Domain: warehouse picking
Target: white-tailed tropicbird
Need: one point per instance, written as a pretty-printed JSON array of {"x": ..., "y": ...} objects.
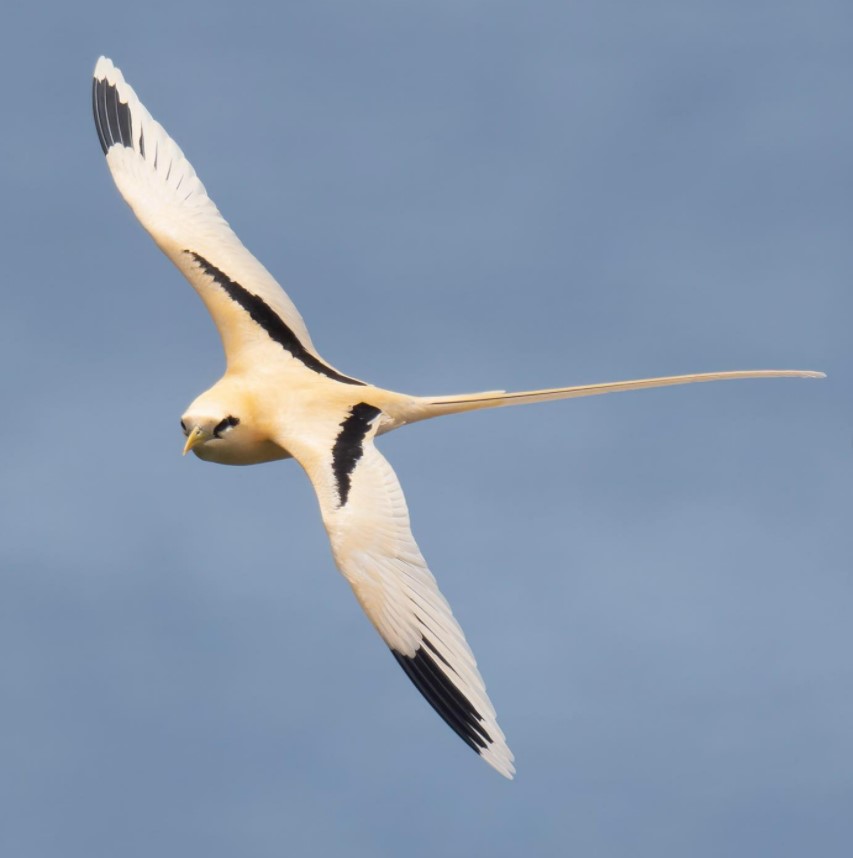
[{"x": 279, "y": 398}]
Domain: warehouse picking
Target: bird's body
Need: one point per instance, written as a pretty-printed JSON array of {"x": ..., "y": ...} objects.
[{"x": 280, "y": 399}]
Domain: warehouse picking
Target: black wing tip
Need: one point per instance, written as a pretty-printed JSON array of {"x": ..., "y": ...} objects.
[
  {"x": 112, "y": 115},
  {"x": 441, "y": 693}
]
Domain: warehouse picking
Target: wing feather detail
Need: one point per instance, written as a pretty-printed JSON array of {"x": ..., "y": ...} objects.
[
  {"x": 373, "y": 547},
  {"x": 162, "y": 188}
]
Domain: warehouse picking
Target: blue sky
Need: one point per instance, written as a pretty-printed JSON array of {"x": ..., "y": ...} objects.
[{"x": 458, "y": 196}]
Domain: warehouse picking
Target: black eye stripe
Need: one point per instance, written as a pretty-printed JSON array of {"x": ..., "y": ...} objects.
[{"x": 224, "y": 424}]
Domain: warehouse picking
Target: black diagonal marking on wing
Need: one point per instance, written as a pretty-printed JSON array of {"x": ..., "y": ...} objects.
[
  {"x": 269, "y": 320},
  {"x": 349, "y": 447}
]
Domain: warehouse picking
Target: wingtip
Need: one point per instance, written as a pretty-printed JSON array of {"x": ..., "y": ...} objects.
[
  {"x": 107, "y": 70},
  {"x": 503, "y": 765},
  {"x": 103, "y": 67}
]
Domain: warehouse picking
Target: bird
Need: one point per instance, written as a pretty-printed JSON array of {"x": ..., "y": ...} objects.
[{"x": 279, "y": 399}]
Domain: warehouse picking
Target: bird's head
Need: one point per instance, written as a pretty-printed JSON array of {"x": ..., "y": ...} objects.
[
  {"x": 219, "y": 427},
  {"x": 208, "y": 434},
  {"x": 212, "y": 424}
]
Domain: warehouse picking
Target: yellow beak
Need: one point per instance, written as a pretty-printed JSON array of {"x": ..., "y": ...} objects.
[{"x": 196, "y": 437}]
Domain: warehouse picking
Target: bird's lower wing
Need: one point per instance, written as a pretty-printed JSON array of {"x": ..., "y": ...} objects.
[
  {"x": 365, "y": 514},
  {"x": 249, "y": 307}
]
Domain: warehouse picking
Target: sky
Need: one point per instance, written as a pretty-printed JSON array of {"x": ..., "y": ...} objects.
[{"x": 458, "y": 196}]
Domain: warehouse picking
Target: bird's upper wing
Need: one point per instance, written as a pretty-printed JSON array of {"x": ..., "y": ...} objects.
[
  {"x": 248, "y": 306},
  {"x": 365, "y": 514}
]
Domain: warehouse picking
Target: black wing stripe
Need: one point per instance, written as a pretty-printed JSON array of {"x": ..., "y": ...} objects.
[
  {"x": 451, "y": 704},
  {"x": 269, "y": 320},
  {"x": 124, "y": 122},
  {"x": 423, "y": 685},
  {"x": 349, "y": 446},
  {"x": 435, "y": 652},
  {"x": 455, "y": 698},
  {"x": 112, "y": 116},
  {"x": 96, "y": 95},
  {"x": 111, "y": 100}
]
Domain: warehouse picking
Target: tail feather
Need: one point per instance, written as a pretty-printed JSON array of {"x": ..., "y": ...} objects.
[{"x": 436, "y": 406}]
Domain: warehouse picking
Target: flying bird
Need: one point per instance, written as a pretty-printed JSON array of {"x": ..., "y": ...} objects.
[{"x": 279, "y": 398}]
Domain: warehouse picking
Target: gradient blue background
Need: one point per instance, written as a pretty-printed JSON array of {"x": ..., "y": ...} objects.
[{"x": 458, "y": 196}]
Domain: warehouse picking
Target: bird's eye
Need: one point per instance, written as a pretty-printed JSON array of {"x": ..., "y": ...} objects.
[
  {"x": 184, "y": 427},
  {"x": 225, "y": 423}
]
